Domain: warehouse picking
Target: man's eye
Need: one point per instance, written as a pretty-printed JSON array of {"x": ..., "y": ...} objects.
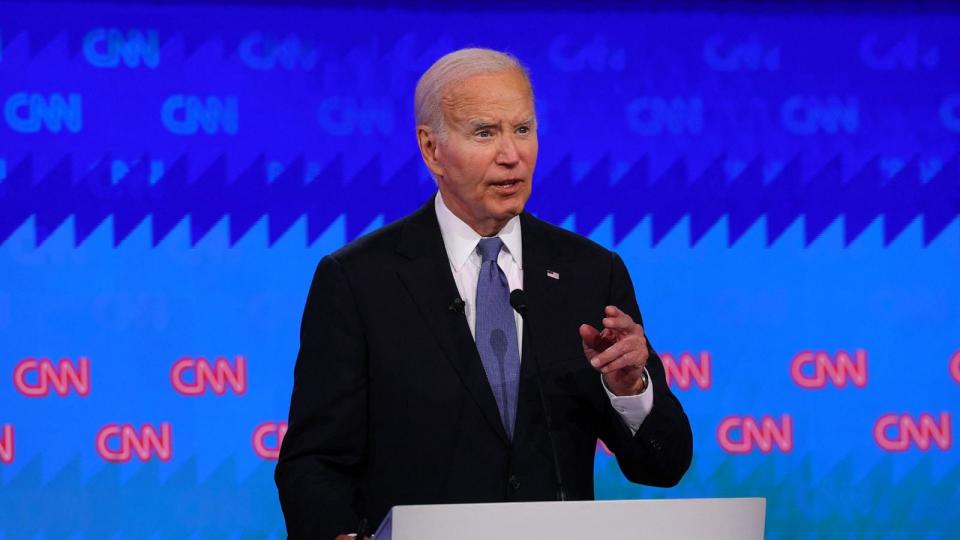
[
  {"x": 484, "y": 133},
  {"x": 523, "y": 130}
]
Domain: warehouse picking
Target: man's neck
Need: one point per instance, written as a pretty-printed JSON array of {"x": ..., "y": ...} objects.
[{"x": 486, "y": 229}]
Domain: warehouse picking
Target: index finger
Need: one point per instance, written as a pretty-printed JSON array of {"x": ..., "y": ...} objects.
[
  {"x": 617, "y": 320},
  {"x": 613, "y": 311}
]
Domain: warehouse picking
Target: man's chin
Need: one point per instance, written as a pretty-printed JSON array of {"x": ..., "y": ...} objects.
[
  {"x": 511, "y": 209},
  {"x": 514, "y": 204}
]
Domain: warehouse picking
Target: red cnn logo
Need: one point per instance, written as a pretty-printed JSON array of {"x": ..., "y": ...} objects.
[
  {"x": 810, "y": 369},
  {"x": 764, "y": 435},
  {"x": 275, "y": 431},
  {"x": 6, "y": 445},
  {"x": 216, "y": 377},
  {"x": 955, "y": 366},
  {"x": 118, "y": 442},
  {"x": 895, "y": 432},
  {"x": 33, "y": 377},
  {"x": 687, "y": 370}
]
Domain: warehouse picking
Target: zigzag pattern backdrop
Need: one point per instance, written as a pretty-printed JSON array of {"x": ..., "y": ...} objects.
[
  {"x": 782, "y": 197},
  {"x": 782, "y": 182}
]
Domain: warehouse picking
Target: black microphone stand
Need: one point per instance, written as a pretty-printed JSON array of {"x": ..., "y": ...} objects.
[{"x": 518, "y": 299}]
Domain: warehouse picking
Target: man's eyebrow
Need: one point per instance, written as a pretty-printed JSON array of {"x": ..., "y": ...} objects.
[
  {"x": 526, "y": 121},
  {"x": 477, "y": 123}
]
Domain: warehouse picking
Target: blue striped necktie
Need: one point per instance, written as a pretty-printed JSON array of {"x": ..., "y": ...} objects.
[{"x": 496, "y": 332}]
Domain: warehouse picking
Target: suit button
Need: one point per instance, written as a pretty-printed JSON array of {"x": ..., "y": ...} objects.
[{"x": 514, "y": 482}]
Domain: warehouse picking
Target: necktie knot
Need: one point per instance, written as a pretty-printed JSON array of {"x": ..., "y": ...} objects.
[{"x": 489, "y": 248}]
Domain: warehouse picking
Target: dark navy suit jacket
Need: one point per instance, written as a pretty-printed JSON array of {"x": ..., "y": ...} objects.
[{"x": 391, "y": 404}]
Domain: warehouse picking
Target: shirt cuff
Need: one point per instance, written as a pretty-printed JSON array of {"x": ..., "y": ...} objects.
[{"x": 633, "y": 409}]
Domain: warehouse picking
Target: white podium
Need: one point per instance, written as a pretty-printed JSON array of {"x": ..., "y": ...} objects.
[{"x": 660, "y": 519}]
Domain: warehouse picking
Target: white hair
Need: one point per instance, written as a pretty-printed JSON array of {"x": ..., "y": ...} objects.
[{"x": 453, "y": 68}]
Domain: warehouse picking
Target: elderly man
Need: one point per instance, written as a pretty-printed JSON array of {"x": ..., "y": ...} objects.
[{"x": 419, "y": 382}]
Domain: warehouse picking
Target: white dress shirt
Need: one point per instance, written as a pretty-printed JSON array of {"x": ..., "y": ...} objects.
[{"x": 461, "y": 242}]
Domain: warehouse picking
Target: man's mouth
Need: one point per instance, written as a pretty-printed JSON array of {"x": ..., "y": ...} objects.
[{"x": 507, "y": 186}]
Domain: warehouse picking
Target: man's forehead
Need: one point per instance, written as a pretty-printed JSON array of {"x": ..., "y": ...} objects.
[
  {"x": 486, "y": 118},
  {"x": 505, "y": 89},
  {"x": 475, "y": 110}
]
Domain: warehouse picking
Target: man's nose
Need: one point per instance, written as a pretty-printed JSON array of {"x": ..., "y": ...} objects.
[{"x": 507, "y": 154}]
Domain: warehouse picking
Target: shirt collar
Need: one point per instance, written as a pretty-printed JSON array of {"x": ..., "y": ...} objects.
[{"x": 461, "y": 241}]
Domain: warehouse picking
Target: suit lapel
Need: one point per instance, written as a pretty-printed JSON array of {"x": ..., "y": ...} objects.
[
  {"x": 544, "y": 299},
  {"x": 429, "y": 280},
  {"x": 540, "y": 255}
]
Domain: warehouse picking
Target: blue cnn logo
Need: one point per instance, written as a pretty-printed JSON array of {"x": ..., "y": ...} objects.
[
  {"x": 908, "y": 53},
  {"x": 188, "y": 115},
  {"x": 106, "y": 47},
  {"x": 265, "y": 52},
  {"x": 747, "y": 55},
  {"x": 30, "y": 112},
  {"x": 596, "y": 55},
  {"x": 346, "y": 116},
  {"x": 809, "y": 115},
  {"x": 655, "y": 115}
]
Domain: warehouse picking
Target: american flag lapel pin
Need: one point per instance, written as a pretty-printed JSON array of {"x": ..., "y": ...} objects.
[{"x": 552, "y": 274}]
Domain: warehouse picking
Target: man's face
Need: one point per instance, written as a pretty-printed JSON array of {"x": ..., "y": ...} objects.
[{"x": 484, "y": 166}]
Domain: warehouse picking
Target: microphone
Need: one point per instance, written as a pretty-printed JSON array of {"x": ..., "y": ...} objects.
[
  {"x": 518, "y": 299},
  {"x": 457, "y": 305}
]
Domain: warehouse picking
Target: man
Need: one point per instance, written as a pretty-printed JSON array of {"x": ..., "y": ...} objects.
[{"x": 417, "y": 382}]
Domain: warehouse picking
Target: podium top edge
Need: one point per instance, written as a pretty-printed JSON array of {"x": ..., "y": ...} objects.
[{"x": 694, "y": 500}]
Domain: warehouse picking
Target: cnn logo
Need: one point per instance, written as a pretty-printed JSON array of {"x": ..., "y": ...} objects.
[
  {"x": 194, "y": 376},
  {"x": 896, "y": 432},
  {"x": 34, "y": 377},
  {"x": 267, "y": 438},
  {"x": 118, "y": 443},
  {"x": 811, "y": 369},
  {"x": 6, "y": 444},
  {"x": 742, "y": 434},
  {"x": 688, "y": 370}
]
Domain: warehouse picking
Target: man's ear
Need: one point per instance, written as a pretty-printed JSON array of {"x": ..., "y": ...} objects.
[{"x": 428, "y": 141}]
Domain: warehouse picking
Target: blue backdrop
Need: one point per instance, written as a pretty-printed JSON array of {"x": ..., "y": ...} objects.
[{"x": 783, "y": 184}]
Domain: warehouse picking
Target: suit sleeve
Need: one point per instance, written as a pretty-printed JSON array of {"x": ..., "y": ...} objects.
[
  {"x": 323, "y": 451},
  {"x": 661, "y": 450}
]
